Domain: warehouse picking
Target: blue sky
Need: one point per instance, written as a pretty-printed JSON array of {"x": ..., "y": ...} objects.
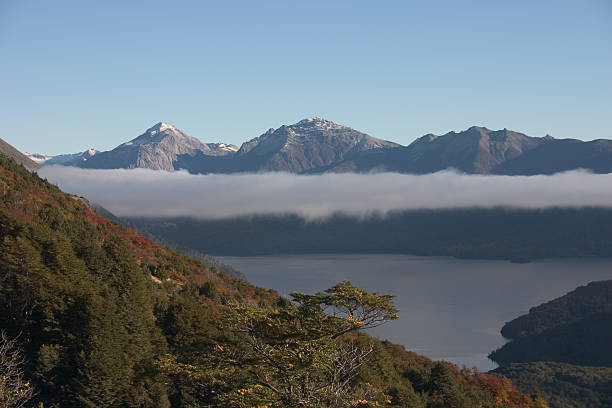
[{"x": 80, "y": 74}]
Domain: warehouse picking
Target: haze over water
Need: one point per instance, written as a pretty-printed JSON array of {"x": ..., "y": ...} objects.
[{"x": 449, "y": 309}]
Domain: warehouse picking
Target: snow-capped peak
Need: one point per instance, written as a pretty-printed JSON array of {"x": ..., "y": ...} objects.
[
  {"x": 228, "y": 148},
  {"x": 319, "y": 123},
  {"x": 315, "y": 119},
  {"x": 163, "y": 126},
  {"x": 153, "y": 133},
  {"x": 160, "y": 127}
]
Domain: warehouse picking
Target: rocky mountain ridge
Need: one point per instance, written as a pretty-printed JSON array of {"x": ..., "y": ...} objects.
[
  {"x": 317, "y": 145},
  {"x": 157, "y": 148},
  {"x": 479, "y": 150},
  {"x": 64, "y": 159},
  {"x": 307, "y": 145}
]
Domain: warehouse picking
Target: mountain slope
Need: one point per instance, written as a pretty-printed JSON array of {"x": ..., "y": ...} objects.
[
  {"x": 561, "y": 155},
  {"x": 308, "y": 144},
  {"x": 476, "y": 150},
  {"x": 305, "y": 146},
  {"x": 88, "y": 300},
  {"x": 75, "y": 159},
  {"x": 93, "y": 305},
  {"x": 16, "y": 155},
  {"x": 479, "y": 150},
  {"x": 158, "y": 149}
]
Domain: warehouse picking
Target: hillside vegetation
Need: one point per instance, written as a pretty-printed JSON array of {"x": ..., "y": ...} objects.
[
  {"x": 562, "y": 348},
  {"x": 583, "y": 342},
  {"x": 596, "y": 297},
  {"x": 483, "y": 233},
  {"x": 103, "y": 317},
  {"x": 565, "y": 385}
]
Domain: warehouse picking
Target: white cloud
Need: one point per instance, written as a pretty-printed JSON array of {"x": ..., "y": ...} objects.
[{"x": 141, "y": 192}]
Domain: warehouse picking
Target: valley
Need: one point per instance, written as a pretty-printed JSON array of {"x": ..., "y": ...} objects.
[
  {"x": 449, "y": 309},
  {"x": 208, "y": 204},
  {"x": 94, "y": 312}
]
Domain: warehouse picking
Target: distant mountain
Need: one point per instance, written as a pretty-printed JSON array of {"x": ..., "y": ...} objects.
[
  {"x": 317, "y": 145},
  {"x": 561, "y": 155},
  {"x": 37, "y": 157},
  {"x": 76, "y": 159},
  {"x": 304, "y": 146},
  {"x": 479, "y": 150},
  {"x": 157, "y": 149},
  {"x": 19, "y": 157},
  {"x": 309, "y": 144}
]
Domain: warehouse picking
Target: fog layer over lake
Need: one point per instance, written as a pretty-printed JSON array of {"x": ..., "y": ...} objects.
[
  {"x": 449, "y": 309},
  {"x": 151, "y": 193}
]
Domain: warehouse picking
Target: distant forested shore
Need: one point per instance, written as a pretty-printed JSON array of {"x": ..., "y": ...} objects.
[
  {"x": 562, "y": 348},
  {"x": 481, "y": 233}
]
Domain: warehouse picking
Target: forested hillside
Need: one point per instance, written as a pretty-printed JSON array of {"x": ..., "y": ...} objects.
[
  {"x": 483, "y": 233},
  {"x": 103, "y": 317},
  {"x": 564, "y": 385},
  {"x": 562, "y": 347},
  {"x": 596, "y": 297},
  {"x": 575, "y": 328},
  {"x": 584, "y": 342}
]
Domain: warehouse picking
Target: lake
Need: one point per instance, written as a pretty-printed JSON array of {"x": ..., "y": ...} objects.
[{"x": 450, "y": 309}]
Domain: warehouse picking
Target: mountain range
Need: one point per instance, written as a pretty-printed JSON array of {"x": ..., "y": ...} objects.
[
  {"x": 317, "y": 145},
  {"x": 479, "y": 150}
]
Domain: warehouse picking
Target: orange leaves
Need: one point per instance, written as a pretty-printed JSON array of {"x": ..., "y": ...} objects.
[{"x": 502, "y": 389}]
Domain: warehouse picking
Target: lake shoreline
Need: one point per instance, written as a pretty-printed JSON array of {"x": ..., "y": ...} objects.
[{"x": 450, "y": 308}]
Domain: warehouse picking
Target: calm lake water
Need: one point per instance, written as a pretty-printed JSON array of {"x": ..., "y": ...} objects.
[{"x": 449, "y": 309}]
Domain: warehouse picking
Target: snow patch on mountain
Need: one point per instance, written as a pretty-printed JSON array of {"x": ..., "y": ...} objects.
[{"x": 37, "y": 157}]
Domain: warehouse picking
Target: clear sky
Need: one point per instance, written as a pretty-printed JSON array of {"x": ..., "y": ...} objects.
[{"x": 80, "y": 74}]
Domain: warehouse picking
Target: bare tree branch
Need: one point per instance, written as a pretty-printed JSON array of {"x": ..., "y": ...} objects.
[{"x": 15, "y": 391}]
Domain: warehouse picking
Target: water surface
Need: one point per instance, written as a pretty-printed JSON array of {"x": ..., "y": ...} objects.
[{"x": 449, "y": 309}]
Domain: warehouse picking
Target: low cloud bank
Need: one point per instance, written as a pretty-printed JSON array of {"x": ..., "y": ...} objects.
[{"x": 148, "y": 193}]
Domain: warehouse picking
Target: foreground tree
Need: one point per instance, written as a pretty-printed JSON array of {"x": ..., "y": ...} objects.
[
  {"x": 304, "y": 352},
  {"x": 15, "y": 391}
]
